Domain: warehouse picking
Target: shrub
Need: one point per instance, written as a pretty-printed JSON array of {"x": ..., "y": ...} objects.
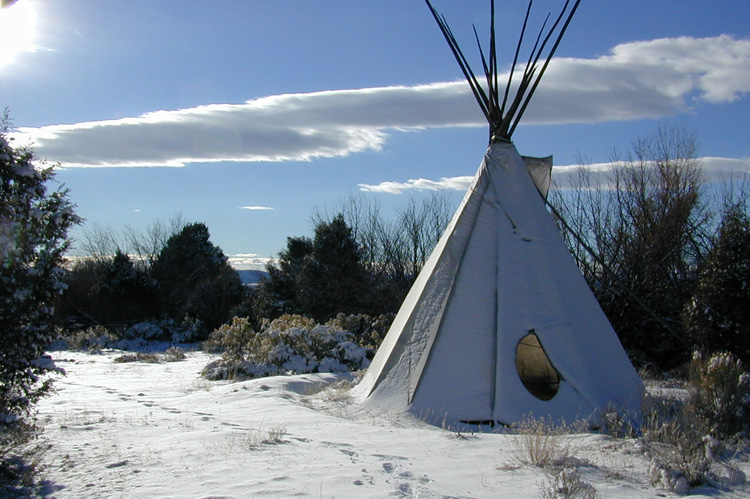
[
  {"x": 683, "y": 436},
  {"x": 150, "y": 358},
  {"x": 174, "y": 354},
  {"x": 567, "y": 484},
  {"x": 231, "y": 339},
  {"x": 368, "y": 331},
  {"x": 619, "y": 424},
  {"x": 291, "y": 344},
  {"x": 681, "y": 455},
  {"x": 675, "y": 439},
  {"x": 92, "y": 339},
  {"x": 719, "y": 393},
  {"x": 540, "y": 441}
]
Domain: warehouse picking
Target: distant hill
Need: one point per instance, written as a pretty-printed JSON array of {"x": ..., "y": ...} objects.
[{"x": 251, "y": 277}]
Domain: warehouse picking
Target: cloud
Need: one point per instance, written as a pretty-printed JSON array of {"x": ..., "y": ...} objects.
[
  {"x": 647, "y": 79},
  {"x": 256, "y": 208},
  {"x": 421, "y": 184},
  {"x": 714, "y": 170}
]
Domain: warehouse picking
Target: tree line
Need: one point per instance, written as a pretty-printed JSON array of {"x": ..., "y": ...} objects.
[{"x": 188, "y": 280}]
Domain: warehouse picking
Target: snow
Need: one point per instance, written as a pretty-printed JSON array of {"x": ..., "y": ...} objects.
[{"x": 159, "y": 430}]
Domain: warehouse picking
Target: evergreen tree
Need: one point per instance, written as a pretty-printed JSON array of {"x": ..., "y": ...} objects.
[
  {"x": 278, "y": 295},
  {"x": 195, "y": 280},
  {"x": 320, "y": 277},
  {"x": 123, "y": 292},
  {"x": 718, "y": 316},
  {"x": 34, "y": 224},
  {"x": 334, "y": 280}
]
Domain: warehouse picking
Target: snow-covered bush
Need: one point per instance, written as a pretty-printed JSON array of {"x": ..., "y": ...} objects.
[
  {"x": 368, "y": 330},
  {"x": 291, "y": 344},
  {"x": 174, "y": 354},
  {"x": 685, "y": 438},
  {"x": 232, "y": 340},
  {"x": 92, "y": 339},
  {"x": 34, "y": 223},
  {"x": 164, "y": 330},
  {"x": 149, "y": 358},
  {"x": 677, "y": 441},
  {"x": 719, "y": 393},
  {"x": 680, "y": 453}
]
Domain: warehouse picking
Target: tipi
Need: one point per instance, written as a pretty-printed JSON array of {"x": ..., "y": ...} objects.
[{"x": 500, "y": 323}]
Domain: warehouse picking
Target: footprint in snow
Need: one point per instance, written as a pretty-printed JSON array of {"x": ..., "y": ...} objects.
[{"x": 386, "y": 457}]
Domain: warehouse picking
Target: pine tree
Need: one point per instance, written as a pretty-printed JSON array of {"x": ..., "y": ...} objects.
[
  {"x": 195, "y": 279},
  {"x": 718, "y": 316},
  {"x": 124, "y": 292},
  {"x": 34, "y": 224},
  {"x": 334, "y": 280},
  {"x": 319, "y": 278}
]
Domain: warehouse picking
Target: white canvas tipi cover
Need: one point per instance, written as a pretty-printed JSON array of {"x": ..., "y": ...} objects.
[{"x": 500, "y": 323}]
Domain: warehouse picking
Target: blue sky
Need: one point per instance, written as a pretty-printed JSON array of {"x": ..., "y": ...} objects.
[{"x": 248, "y": 115}]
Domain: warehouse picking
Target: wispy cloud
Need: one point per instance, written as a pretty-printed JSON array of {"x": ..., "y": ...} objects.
[
  {"x": 420, "y": 184},
  {"x": 256, "y": 208},
  {"x": 647, "y": 79},
  {"x": 714, "y": 169}
]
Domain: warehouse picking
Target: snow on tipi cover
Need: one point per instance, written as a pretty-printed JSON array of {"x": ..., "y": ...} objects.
[{"x": 500, "y": 323}]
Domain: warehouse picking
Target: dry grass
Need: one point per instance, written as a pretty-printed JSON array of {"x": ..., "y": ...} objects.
[
  {"x": 541, "y": 442},
  {"x": 253, "y": 439}
]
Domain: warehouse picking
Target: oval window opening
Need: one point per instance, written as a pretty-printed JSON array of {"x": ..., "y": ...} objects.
[{"x": 537, "y": 374}]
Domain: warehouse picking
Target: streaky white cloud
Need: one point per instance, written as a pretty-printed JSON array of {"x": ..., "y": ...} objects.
[
  {"x": 420, "y": 184},
  {"x": 256, "y": 208},
  {"x": 646, "y": 79},
  {"x": 714, "y": 169}
]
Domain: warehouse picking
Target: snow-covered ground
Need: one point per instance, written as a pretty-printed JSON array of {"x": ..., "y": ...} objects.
[{"x": 140, "y": 430}]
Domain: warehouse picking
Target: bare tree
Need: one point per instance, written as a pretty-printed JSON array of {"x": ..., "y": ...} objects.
[
  {"x": 639, "y": 234},
  {"x": 147, "y": 244},
  {"x": 102, "y": 242},
  {"x": 394, "y": 250}
]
